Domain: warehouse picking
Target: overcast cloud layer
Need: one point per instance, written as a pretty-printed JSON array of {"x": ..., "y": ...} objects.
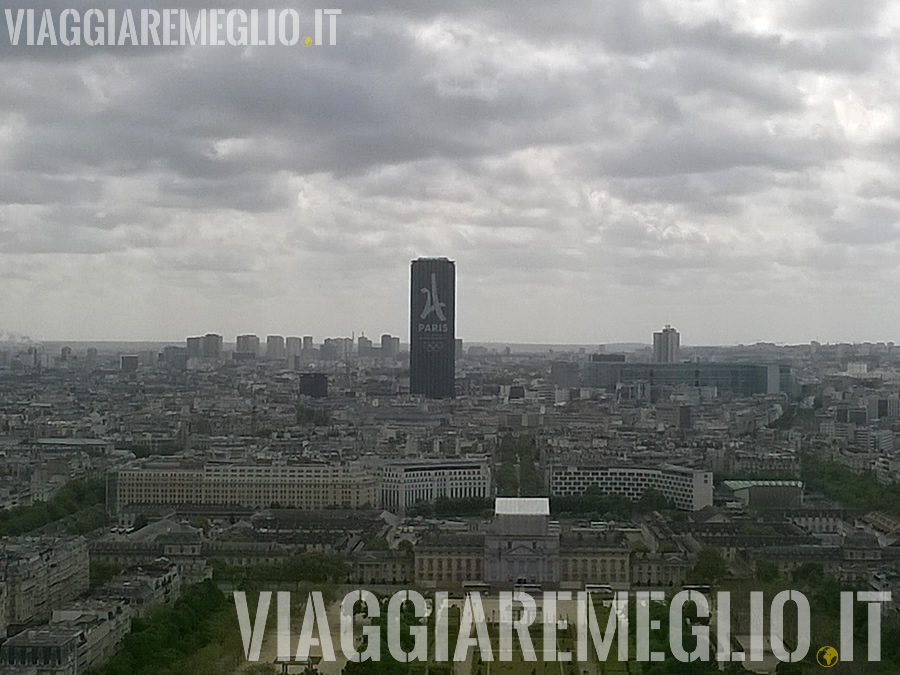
[{"x": 596, "y": 169}]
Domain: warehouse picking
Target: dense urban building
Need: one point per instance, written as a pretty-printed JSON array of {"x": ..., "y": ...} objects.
[
  {"x": 86, "y": 633},
  {"x": 37, "y": 575}
]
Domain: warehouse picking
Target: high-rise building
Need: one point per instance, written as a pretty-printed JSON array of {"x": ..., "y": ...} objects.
[
  {"x": 274, "y": 347},
  {"x": 432, "y": 327},
  {"x": 194, "y": 347},
  {"x": 346, "y": 348},
  {"x": 386, "y": 347},
  {"x": 247, "y": 344},
  {"x": 329, "y": 350},
  {"x": 211, "y": 346},
  {"x": 336, "y": 349},
  {"x": 307, "y": 343},
  {"x": 363, "y": 346},
  {"x": 666, "y": 346},
  {"x": 390, "y": 347},
  {"x": 292, "y": 346}
]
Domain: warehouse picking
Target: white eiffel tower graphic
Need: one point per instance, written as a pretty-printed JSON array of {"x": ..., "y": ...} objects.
[{"x": 432, "y": 303}]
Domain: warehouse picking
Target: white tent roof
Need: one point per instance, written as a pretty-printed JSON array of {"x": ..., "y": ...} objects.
[{"x": 522, "y": 506}]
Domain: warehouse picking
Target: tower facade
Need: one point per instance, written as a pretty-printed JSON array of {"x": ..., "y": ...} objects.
[{"x": 432, "y": 324}]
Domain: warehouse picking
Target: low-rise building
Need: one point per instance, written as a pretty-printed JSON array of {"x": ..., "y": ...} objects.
[
  {"x": 44, "y": 651},
  {"x": 103, "y": 626},
  {"x": 313, "y": 485}
]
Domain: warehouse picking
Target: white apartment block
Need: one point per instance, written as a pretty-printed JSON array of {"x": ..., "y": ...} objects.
[
  {"x": 688, "y": 489},
  {"x": 404, "y": 483}
]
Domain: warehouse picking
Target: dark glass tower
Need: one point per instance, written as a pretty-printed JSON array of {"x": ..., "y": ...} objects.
[{"x": 432, "y": 327}]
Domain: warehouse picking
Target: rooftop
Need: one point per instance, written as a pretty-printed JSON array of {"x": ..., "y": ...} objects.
[
  {"x": 744, "y": 484},
  {"x": 522, "y": 506}
]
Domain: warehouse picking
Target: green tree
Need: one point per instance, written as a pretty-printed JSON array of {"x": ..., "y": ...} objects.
[
  {"x": 709, "y": 568},
  {"x": 157, "y": 643},
  {"x": 653, "y": 500},
  {"x": 766, "y": 571},
  {"x": 76, "y": 501}
]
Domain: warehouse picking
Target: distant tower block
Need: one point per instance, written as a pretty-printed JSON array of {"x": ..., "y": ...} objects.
[
  {"x": 666, "y": 345},
  {"x": 274, "y": 347},
  {"x": 247, "y": 344}
]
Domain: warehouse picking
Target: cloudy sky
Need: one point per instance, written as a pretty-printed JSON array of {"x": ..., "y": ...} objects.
[{"x": 596, "y": 168}]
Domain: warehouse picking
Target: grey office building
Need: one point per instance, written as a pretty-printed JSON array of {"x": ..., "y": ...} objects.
[{"x": 432, "y": 357}]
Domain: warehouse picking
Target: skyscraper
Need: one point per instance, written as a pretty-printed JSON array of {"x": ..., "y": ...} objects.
[
  {"x": 364, "y": 346},
  {"x": 387, "y": 347},
  {"x": 274, "y": 347},
  {"x": 194, "y": 347},
  {"x": 432, "y": 327},
  {"x": 293, "y": 346},
  {"x": 211, "y": 346},
  {"x": 247, "y": 344},
  {"x": 666, "y": 346}
]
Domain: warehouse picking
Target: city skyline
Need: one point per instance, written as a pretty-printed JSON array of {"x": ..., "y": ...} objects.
[
  {"x": 597, "y": 170},
  {"x": 230, "y": 343}
]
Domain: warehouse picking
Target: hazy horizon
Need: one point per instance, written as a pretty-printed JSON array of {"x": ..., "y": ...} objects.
[{"x": 627, "y": 346}]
